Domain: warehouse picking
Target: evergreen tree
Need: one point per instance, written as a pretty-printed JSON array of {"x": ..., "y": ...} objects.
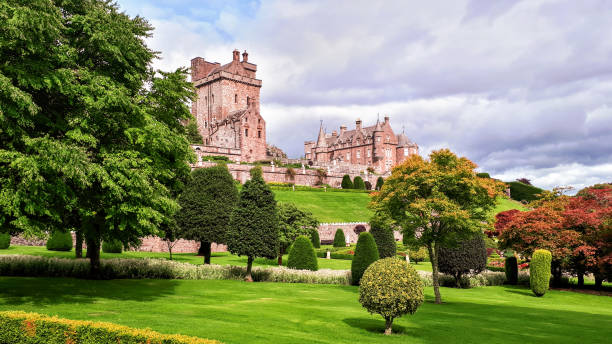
[
  {"x": 381, "y": 230},
  {"x": 346, "y": 182},
  {"x": 358, "y": 183},
  {"x": 302, "y": 255},
  {"x": 379, "y": 183},
  {"x": 254, "y": 224},
  {"x": 468, "y": 256},
  {"x": 366, "y": 253},
  {"x": 293, "y": 223},
  {"x": 315, "y": 239},
  {"x": 339, "y": 238},
  {"x": 206, "y": 206}
]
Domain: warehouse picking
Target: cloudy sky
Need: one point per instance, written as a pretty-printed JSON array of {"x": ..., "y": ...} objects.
[{"x": 522, "y": 88}]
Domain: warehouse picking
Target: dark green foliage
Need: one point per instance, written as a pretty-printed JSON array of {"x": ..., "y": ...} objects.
[
  {"x": 391, "y": 288},
  {"x": 380, "y": 228},
  {"x": 314, "y": 238},
  {"x": 206, "y": 206},
  {"x": 60, "y": 241},
  {"x": 192, "y": 133},
  {"x": 346, "y": 182},
  {"x": 469, "y": 256},
  {"x": 339, "y": 238},
  {"x": 379, "y": 183},
  {"x": 5, "y": 241},
  {"x": 112, "y": 246},
  {"x": 358, "y": 183},
  {"x": 511, "y": 269},
  {"x": 539, "y": 272},
  {"x": 293, "y": 222},
  {"x": 366, "y": 253},
  {"x": 483, "y": 175},
  {"x": 253, "y": 230},
  {"x": 523, "y": 192},
  {"x": 418, "y": 255},
  {"x": 302, "y": 255},
  {"x": 368, "y": 185}
]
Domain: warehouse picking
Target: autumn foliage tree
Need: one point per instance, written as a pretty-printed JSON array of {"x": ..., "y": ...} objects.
[{"x": 437, "y": 201}]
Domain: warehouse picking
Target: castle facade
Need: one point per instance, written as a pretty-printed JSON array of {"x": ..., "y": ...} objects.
[
  {"x": 376, "y": 146},
  {"x": 227, "y": 109}
]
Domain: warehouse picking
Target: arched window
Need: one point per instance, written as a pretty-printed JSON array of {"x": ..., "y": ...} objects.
[{"x": 235, "y": 98}]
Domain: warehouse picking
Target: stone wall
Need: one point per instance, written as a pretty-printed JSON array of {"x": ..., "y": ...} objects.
[{"x": 351, "y": 230}]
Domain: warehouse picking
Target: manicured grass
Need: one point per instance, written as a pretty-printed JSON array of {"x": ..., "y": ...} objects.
[
  {"x": 239, "y": 312},
  {"x": 504, "y": 204},
  {"x": 330, "y": 206}
]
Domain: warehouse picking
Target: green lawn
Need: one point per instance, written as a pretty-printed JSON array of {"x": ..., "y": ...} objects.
[
  {"x": 330, "y": 206},
  {"x": 239, "y": 312},
  {"x": 504, "y": 204}
]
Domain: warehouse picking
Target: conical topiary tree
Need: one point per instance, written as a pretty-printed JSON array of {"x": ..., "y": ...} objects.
[
  {"x": 358, "y": 183},
  {"x": 346, "y": 182},
  {"x": 379, "y": 183},
  {"x": 539, "y": 271},
  {"x": 302, "y": 255},
  {"x": 511, "y": 268},
  {"x": 314, "y": 238},
  {"x": 366, "y": 253},
  {"x": 339, "y": 239},
  {"x": 380, "y": 228},
  {"x": 253, "y": 230}
]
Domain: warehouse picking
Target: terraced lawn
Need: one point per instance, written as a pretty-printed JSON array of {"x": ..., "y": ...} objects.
[
  {"x": 330, "y": 206},
  {"x": 239, "y": 312}
]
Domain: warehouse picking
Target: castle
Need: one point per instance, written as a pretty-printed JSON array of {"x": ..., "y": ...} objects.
[
  {"x": 375, "y": 147},
  {"x": 227, "y": 109}
]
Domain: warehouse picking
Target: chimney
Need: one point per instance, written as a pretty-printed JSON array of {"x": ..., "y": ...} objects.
[
  {"x": 245, "y": 56},
  {"x": 386, "y": 119},
  {"x": 342, "y": 129},
  {"x": 197, "y": 68},
  {"x": 334, "y": 133},
  {"x": 358, "y": 124},
  {"x": 236, "y": 56}
]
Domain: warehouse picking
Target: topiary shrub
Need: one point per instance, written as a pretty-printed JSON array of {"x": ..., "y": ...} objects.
[
  {"x": 511, "y": 268},
  {"x": 339, "y": 239},
  {"x": 380, "y": 228},
  {"x": 314, "y": 238},
  {"x": 539, "y": 271},
  {"x": 346, "y": 182},
  {"x": 112, "y": 246},
  {"x": 5, "y": 241},
  {"x": 368, "y": 185},
  {"x": 379, "y": 183},
  {"x": 358, "y": 183},
  {"x": 366, "y": 253},
  {"x": 418, "y": 255},
  {"x": 391, "y": 288},
  {"x": 302, "y": 255},
  {"x": 469, "y": 256},
  {"x": 60, "y": 241}
]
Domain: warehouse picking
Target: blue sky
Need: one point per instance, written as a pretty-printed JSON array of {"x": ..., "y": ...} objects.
[{"x": 523, "y": 88}]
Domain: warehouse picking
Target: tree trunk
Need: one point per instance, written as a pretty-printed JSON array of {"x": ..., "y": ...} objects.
[
  {"x": 281, "y": 252},
  {"x": 388, "y": 325},
  {"x": 248, "y": 277},
  {"x": 458, "y": 280},
  {"x": 78, "y": 247},
  {"x": 205, "y": 248},
  {"x": 433, "y": 256},
  {"x": 93, "y": 252},
  {"x": 169, "y": 243},
  {"x": 557, "y": 274},
  {"x": 598, "y": 282},
  {"x": 580, "y": 280}
]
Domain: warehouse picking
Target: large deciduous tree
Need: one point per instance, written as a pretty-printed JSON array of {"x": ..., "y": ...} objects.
[
  {"x": 293, "y": 222},
  {"x": 254, "y": 224},
  {"x": 87, "y": 128},
  {"x": 206, "y": 206},
  {"x": 437, "y": 201}
]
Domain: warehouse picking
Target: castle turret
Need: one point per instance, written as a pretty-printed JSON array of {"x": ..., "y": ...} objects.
[{"x": 378, "y": 141}]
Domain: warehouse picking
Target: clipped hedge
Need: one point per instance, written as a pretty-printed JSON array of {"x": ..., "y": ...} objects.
[
  {"x": 366, "y": 253},
  {"x": 302, "y": 255},
  {"x": 123, "y": 268},
  {"x": 335, "y": 255},
  {"x": 314, "y": 239},
  {"x": 346, "y": 182},
  {"x": 32, "y": 328},
  {"x": 523, "y": 192},
  {"x": 539, "y": 271},
  {"x": 112, "y": 246},
  {"x": 339, "y": 238},
  {"x": 5, "y": 241},
  {"x": 358, "y": 183},
  {"x": 60, "y": 241},
  {"x": 511, "y": 269}
]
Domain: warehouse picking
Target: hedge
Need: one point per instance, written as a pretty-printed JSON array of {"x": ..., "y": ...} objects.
[
  {"x": 112, "y": 246},
  {"x": 470, "y": 256},
  {"x": 60, "y": 241},
  {"x": 302, "y": 255},
  {"x": 366, "y": 253},
  {"x": 523, "y": 192},
  {"x": 5, "y": 241},
  {"x": 32, "y": 328},
  {"x": 335, "y": 255},
  {"x": 539, "y": 271},
  {"x": 339, "y": 238},
  {"x": 358, "y": 183},
  {"x": 346, "y": 182},
  {"x": 511, "y": 269}
]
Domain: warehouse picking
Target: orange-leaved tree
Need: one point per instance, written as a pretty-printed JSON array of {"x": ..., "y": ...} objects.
[{"x": 437, "y": 201}]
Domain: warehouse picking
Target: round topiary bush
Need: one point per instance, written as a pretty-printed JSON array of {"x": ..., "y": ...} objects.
[
  {"x": 112, "y": 246},
  {"x": 366, "y": 253},
  {"x": 539, "y": 271},
  {"x": 358, "y": 183},
  {"x": 346, "y": 182},
  {"x": 314, "y": 238},
  {"x": 470, "y": 256},
  {"x": 339, "y": 239},
  {"x": 302, "y": 255},
  {"x": 391, "y": 288},
  {"x": 5, "y": 241},
  {"x": 511, "y": 268},
  {"x": 60, "y": 241}
]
